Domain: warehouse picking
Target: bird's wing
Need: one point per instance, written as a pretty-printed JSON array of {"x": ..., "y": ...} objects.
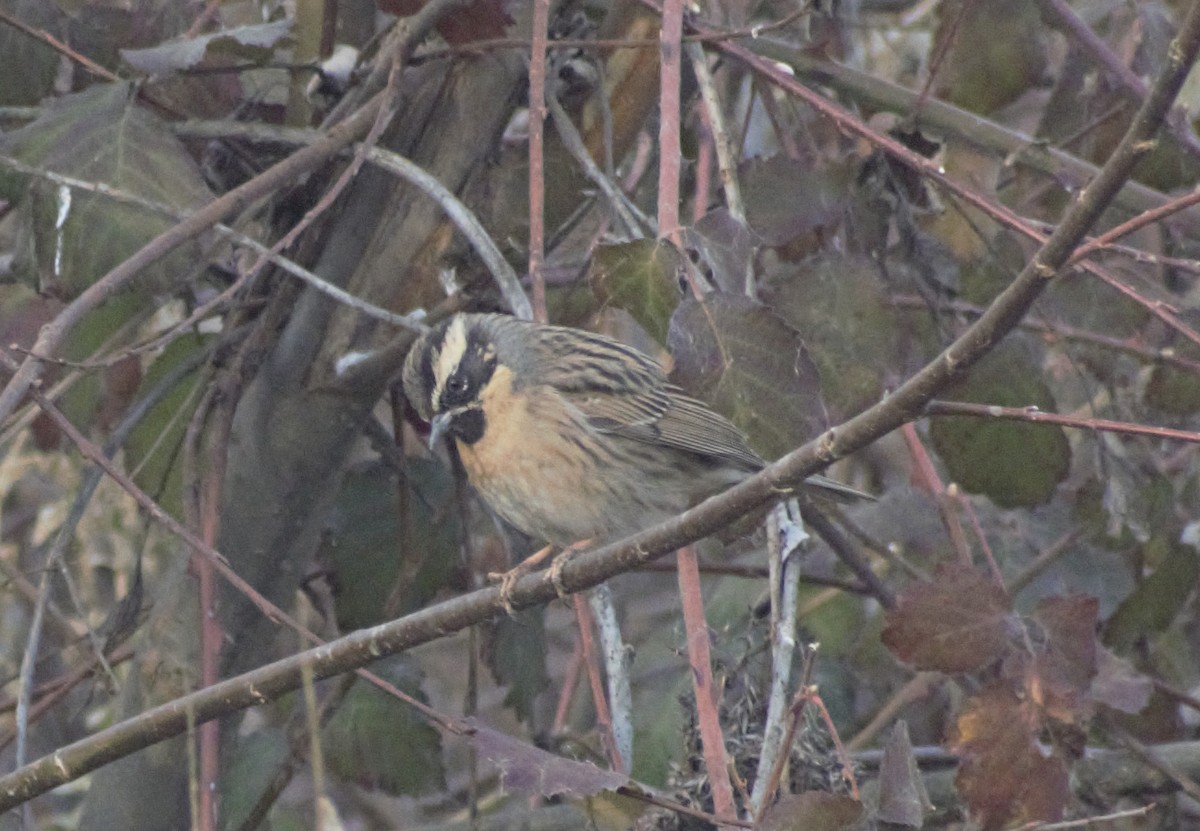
[
  {"x": 615, "y": 386},
  {"x": 622, "y": 391},
  {"x": 690, "y": 424}
]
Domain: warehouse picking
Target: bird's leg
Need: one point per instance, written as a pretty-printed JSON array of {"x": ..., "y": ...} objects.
[{"x": 508, "y": 580}]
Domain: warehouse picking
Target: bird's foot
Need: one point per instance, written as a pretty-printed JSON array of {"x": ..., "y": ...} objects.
[
  {"x": 556, "y": 566},
  {"x": 508, "y": 579}
]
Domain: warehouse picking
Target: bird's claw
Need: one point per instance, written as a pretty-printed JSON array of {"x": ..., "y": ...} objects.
[
  {"x": 555, "y": 575},
  {"x": 508, "y": 582}
]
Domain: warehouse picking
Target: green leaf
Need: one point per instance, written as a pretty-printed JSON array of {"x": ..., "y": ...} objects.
[
  {"x": 101, "y": 135},
  {"x": 1014, "y": 464},
  {"x": 259, "y": 756},
  {"x": 515, "y": 652},
  {"x": 751, "y": 366},
  {"x": 29, "y": 59},
  {"x": 1158, "y": 598},
  {"x": 379, "y": 742},
  {"x": 1173, "y": 391},
  {"x": 641, "y": 277},
  {"x": 152, "y": 451},
  {"x": 993, "y": 54},
  {"x": 786, "y": 199},
  {"x": 254, "y": 43}
]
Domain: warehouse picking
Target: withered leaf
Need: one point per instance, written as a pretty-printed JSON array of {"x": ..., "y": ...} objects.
[{"x": 958, "y": 622}]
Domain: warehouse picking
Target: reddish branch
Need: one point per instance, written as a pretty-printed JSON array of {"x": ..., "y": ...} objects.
[
  {"x": 1035, "y": 416},
  {"x": 537, "y": 159}
]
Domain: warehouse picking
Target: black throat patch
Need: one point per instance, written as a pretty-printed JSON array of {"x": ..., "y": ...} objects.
[
  {"x": 468, "y": 426},
  {"x": 471, "y": 360}
]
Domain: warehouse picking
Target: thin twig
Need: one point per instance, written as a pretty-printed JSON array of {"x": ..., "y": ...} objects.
[
  {"x": 537, "y": 157},
  {"x": 1035, "y": 416},
  {"x": 1043, "y": 561},
  {"x": 1057, "y": 330},
  {"x": 726, "y": 160},
  {"x": 60, "y": 47},
  {"x": 587, "y": 643},
  {"x": 66, "y": 532},
  {"x": 1088, "y": 822},
  {"x": 1142, "y": 220},
  {"x": 367, "y": 119},
  {"x": 933, "y": 484},
  {"x": 917, "y": 688},
  {"x": 266, "y": 255},
  {"x": 632, "y": 218},
  {"x": 873, "y": 93},
  {"x": 669, "y": 152},
  {"x": 1062, "y": 17},
  {"x": 1185, "y": 783},
  {"x": 704, "y": 687}
]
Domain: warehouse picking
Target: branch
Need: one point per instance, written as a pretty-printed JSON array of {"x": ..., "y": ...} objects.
[
  {"x": 537, "y": 159},
  {"x": 1035, "y": 416}
]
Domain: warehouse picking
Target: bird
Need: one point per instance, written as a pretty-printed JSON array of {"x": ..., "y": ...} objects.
[{"x": 571, "y": 436}]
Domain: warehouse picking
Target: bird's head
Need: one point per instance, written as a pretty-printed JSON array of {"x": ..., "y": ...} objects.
[{"x": 446, "y": 374}]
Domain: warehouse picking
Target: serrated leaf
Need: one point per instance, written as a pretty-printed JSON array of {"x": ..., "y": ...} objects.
[
  {"x": 641, "y": 277},
  {"x": 255, "y": 44},
  {"x": 958, "y": 622},
  {"x": 515, "y": 652},
  {"x": 101, "y": 135},
  {"x": 380, "y": 742},
  {"x": 1012, "y": 463},
  {"x": 751, "y": 366},
  {"x": 1005, "y": 778}
]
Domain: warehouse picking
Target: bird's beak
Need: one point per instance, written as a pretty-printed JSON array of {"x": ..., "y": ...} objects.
[{"x": 438, "y": 425}]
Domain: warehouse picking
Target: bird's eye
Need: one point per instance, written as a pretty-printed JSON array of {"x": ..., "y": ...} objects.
[{"x": 456, "y": 385}]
